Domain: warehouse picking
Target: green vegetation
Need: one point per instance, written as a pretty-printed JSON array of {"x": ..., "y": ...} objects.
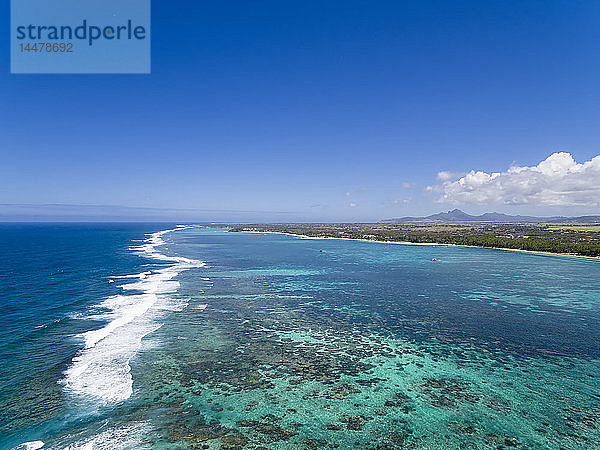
[
  {"x": 567, "y": 239},
  {"x": 595, "y": 228}
]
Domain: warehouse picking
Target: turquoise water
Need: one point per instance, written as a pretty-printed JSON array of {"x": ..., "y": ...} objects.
[{"x": 274, "y": 341}]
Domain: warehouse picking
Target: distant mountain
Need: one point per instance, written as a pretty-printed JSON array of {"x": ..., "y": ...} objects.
[{"x": 457, "y": 216}]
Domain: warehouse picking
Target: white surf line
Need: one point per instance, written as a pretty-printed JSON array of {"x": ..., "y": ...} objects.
[
  {"x": 33, "y": 445},
  {"x": 100, "y": 372}
]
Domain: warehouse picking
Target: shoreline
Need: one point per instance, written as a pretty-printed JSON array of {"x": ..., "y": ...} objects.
[{"x": 534, "y": 252}]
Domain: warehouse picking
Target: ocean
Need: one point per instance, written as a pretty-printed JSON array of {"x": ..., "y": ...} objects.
[{"x": 166, "y": 336}]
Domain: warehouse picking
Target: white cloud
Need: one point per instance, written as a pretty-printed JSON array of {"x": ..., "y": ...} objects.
[
  {"x": 445, "y": 175},
  {"x": 352, "y": 205},
  {"x": 407, "y": 185},
  {"x": 557, "y": 181}
]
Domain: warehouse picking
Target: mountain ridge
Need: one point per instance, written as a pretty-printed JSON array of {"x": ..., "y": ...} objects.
[{"x": 458, "y": 216}]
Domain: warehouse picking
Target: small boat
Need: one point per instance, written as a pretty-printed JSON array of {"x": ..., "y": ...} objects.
[{"x": 434, "y": 259}]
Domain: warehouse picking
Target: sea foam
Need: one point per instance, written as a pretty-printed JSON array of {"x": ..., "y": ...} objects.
[
  {"x": 33, "y": 445},
  {"x": 126, "y": 437},
  {"x": 100, "y": 372}
]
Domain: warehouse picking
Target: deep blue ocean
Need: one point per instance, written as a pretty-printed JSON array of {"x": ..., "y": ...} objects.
[{"x": 152, "y": 336}]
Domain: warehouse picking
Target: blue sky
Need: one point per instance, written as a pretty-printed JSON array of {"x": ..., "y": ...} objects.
[{"x": 300, "y": 110}]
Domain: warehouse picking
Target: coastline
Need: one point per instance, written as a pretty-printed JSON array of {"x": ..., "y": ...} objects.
[{"x": 569, "y": 255}]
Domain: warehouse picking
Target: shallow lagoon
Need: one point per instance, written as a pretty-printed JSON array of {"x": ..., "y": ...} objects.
[{"x": 325, "y": 343}]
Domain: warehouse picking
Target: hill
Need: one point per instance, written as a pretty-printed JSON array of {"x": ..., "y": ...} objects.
[{"x": 458, "y": 216}]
